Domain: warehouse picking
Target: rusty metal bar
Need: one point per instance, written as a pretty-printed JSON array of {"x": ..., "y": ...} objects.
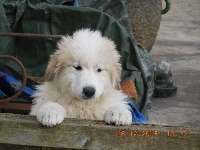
[
  {"x": 24, "y": 78},
  {"x": 30, "y": 35},
  {"x": 15, "y": 106}
]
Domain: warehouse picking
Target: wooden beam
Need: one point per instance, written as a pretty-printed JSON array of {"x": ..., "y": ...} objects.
[{"x": 86, "y": 134}]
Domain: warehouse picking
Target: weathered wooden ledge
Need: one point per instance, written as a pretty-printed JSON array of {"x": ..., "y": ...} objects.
[{"x": 21, "y": 130}]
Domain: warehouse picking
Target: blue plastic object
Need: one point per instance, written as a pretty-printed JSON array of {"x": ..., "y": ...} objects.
[
  {"x": 137, "y": 117},
  {"x": 9, "y": 86}
]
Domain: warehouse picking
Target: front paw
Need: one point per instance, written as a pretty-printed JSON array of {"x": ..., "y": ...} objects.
[
  {"x": 51, "y": 114},
  {"x": 118, "y": 115}
]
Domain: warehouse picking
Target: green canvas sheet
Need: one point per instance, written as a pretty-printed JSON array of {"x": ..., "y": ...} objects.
[{"x": 54, "y": 18}]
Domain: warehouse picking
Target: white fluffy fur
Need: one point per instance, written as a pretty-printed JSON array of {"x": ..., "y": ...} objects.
[{"x": 62, "y": 96}]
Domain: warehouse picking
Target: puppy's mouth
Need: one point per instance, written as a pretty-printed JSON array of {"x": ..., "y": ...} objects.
[{"x": 83, "y": 97}]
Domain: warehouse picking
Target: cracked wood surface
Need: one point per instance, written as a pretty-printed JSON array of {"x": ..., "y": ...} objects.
[{"x": 24, "y": 130}]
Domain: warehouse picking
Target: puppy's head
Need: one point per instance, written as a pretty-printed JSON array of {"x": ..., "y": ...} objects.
[{"x": 86, "y": 65}]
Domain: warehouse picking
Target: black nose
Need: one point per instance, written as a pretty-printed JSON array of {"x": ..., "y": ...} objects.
[{"x": 88, "y": 91}]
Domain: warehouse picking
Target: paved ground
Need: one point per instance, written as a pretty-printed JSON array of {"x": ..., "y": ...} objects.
[{"x": 178, "y": 42}]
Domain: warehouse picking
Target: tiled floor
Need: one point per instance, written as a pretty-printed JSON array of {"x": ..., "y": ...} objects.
[{"x": 178, "y": 42}]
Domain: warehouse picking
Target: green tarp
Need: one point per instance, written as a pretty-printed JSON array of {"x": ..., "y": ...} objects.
[{"x": 54, "y": 18}]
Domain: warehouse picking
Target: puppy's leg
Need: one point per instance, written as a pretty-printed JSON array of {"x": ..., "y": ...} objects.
[
  {"x": 118, "y": 115},
  {"x": 50, "y": 114}
]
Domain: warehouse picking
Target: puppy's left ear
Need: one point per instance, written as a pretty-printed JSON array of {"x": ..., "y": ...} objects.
[
  {"x": 115, "y": 68},
  {"x": 116, "y": 76}
]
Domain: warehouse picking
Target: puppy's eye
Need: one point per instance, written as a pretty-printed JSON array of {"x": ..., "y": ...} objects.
[
  {"x": 78, "y": 67},
  {"x": 99, "y": 70}
]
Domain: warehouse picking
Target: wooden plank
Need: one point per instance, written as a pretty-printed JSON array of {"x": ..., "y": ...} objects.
[
  {"x": 87, "y": 134},
  {"x": 18, "y": 147}
]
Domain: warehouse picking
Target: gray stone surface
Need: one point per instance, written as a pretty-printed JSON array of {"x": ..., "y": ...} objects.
[
  {"x": 145, "y": 17},
  {"x": 178, "y": 42}
]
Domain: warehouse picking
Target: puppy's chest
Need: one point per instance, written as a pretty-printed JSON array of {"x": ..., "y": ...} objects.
[{"x": 85, "y": 112}]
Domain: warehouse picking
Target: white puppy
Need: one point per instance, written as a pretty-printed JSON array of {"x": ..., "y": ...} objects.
[{"x": 82, "y": 80}]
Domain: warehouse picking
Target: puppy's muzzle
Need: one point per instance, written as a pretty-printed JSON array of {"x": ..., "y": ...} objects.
[{"x": 88, "y": 92}]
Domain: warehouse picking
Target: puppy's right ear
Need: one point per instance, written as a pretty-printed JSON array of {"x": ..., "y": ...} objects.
[
  {"x": 55, "y": 63},
  {"x": 53, "y": 69}
]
